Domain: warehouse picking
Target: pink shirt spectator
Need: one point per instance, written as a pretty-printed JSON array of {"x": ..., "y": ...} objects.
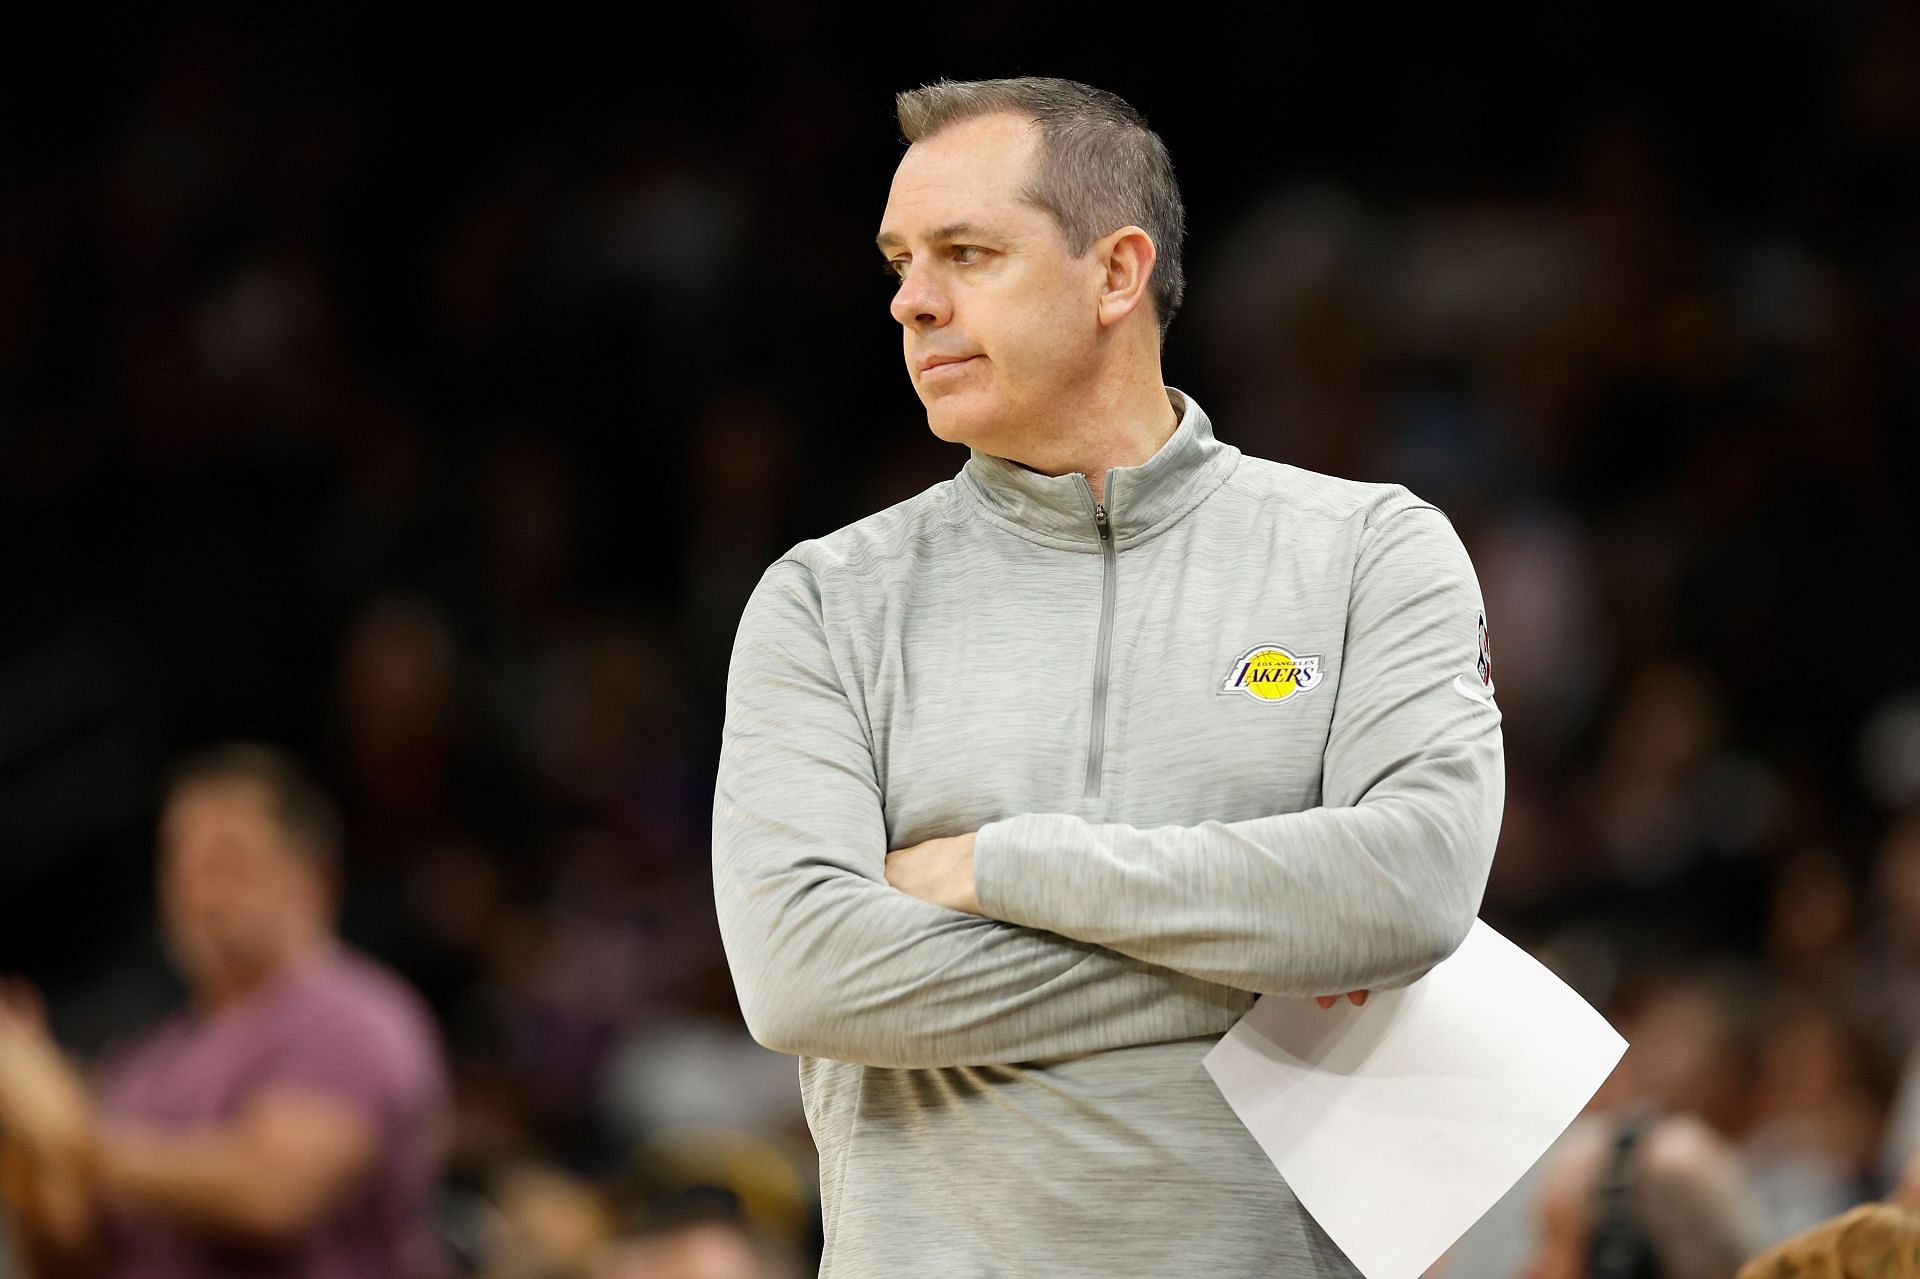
[{"x": 340, "y": 1024}]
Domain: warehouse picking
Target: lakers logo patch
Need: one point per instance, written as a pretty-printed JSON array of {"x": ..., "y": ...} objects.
[{"x": 1269, "y": 673}]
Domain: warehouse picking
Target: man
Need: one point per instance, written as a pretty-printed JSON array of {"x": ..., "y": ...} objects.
[
  {"x": 289, "y": 1124},
  {"x": 1643, "y": 1198},
  {"x": 1152, "y": 728}
]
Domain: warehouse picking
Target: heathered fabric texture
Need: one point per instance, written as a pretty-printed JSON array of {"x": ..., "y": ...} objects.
[{"x": 1022, "y": 1094}]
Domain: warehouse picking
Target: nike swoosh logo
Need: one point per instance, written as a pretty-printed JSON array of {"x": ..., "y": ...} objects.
[{"x": 1473, "y": 690}]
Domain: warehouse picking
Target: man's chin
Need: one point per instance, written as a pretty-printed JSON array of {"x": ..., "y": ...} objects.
[
  {"x": 209, "y": 965},
  {"x": 973, "y": 425}
]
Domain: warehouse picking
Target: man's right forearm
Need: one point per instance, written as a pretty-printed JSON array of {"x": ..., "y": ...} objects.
[{"x": 832, "y": 964}]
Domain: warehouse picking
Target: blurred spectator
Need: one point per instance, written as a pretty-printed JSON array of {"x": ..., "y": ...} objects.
[
  {"x": 1688, "y": 1052},
  {"x": 1819, "y": 1099},
  {"x": 1873, "y": 1241},
  {"x": 716, "y": 1248},
  {"x": 546, "y": 1224},
  {"x": 1643, "y": 1197},
  {"x": 398, "y": 667},
  {"x": 1812, "y": 920},
  {"x": 290, "y": 1122},
  {"x": 1893, "y": 944},
  {"x": 539, "y": 1221},
  {"x": 1900, "y": 1150}
]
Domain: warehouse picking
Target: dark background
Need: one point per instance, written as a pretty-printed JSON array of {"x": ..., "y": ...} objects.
[{"x": 426, "y": 393}]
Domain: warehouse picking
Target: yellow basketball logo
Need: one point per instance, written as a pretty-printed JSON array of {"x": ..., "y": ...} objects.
[{"x": 1269, "y": 673}]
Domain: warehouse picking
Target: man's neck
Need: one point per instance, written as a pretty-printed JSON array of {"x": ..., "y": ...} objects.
[
  {"x": 215, "y": 996},
  {"x": 1125, "y": 431},
  {"x": 1134, "y": 450}
]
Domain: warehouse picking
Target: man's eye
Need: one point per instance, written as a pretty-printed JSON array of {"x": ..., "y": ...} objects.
[
  {"x": 895, "y": 268},
  {"x": 967, "y": 253}
]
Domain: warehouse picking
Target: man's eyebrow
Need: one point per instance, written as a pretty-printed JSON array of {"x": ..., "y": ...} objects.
[{"x": 941, "y": 235}]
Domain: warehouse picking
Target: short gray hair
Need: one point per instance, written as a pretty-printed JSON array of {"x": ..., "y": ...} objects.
[{"x": 1100, "y": 167}]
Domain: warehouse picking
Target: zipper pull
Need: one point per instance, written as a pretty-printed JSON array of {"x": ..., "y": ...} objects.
[{"x": 1100, "y": 520}]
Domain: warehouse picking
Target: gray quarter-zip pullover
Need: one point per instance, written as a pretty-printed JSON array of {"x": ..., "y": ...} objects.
[{"x": 1231, "y": 732}]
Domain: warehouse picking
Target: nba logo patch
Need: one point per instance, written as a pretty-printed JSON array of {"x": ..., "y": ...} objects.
[{"x": 1484, "y": 663}]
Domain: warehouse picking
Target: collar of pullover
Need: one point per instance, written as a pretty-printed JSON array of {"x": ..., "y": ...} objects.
[{"x": 1140, "y": 500}]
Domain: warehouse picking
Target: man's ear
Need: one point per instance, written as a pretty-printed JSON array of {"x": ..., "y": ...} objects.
[{"x": 1126, "y": 257}]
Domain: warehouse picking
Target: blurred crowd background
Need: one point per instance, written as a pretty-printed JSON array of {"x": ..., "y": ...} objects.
[{"x": 427, "y": 398}]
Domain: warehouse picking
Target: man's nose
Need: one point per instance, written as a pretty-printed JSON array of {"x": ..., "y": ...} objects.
[
  {"x": 920, "y": 301},
  {"x": 195, "y": 890},
  {"x": 199, "y": 899}
]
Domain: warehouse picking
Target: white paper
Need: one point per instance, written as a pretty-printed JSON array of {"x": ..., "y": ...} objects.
[{"x": 1399, "y": 1123}]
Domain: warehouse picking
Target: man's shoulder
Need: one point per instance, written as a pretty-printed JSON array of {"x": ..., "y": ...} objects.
[
  {"x": 1301, "y": 491},
  {"x": 349, "y": 988},
  {"x": 348, "y": 1021},
  {"x": 904, "y": 530}
]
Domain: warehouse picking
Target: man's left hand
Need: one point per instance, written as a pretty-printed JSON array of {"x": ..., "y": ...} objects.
[{"x": 938, "y": 871}]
